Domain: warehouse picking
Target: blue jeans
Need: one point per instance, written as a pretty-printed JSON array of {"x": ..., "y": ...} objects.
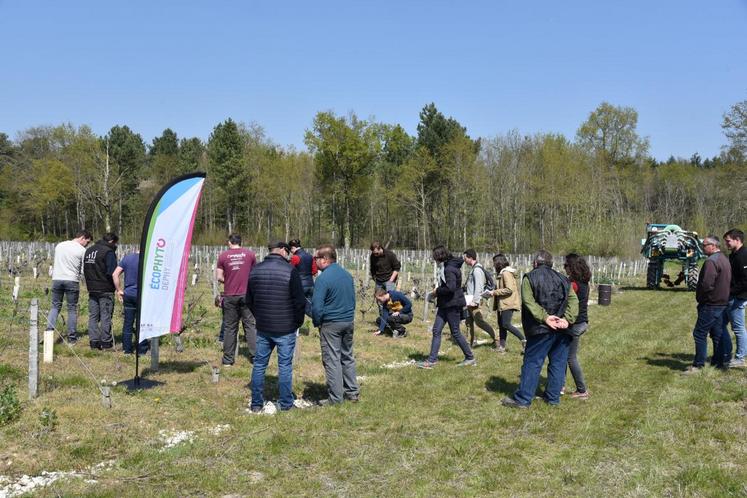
[
  {"x": 735, "y": 315},
  {"x": 452, "y": 316},
  {"x": 71, "y": 291},
  {"x": 554, "y": 346},
  {"x": 710, "y": 322},
  {"x": 130, "y": 313},
  {"x": 285, "y": 344},
  {"x": 308, "y": 293}
]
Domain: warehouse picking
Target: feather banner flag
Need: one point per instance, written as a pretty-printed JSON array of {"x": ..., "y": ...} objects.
[{"x": 164, "y": 254}]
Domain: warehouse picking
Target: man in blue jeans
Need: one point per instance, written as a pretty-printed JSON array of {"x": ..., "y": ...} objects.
[
  {"x": 66, "y": 273},
  {"x": 548, "y": 306},
  {"x": 712, "y": 295},
  {"x": 127, "y": 295},
  {"x": 734, "y": 240},
  {"x": 275, "y": 297}
]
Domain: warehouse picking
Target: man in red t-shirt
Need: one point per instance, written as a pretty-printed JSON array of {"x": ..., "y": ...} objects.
[{"x": 233, "y": 269}]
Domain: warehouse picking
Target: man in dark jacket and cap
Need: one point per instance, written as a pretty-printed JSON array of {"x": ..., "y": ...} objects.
[
  {"x": 275, "y": 297},
  {"x": 548, "y": 307},
  {"x": 99, "y": 263}
]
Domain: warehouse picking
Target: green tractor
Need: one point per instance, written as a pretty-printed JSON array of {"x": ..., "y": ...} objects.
[{"x": 670, "y": 242}]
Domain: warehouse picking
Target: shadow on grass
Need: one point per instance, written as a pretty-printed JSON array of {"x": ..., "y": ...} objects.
[
  {"x": 673, "y": 361},
  {"x": 172, "y": 366},
  {"x": 500, "y": 385},
  {"x": 314, "y": 391}
]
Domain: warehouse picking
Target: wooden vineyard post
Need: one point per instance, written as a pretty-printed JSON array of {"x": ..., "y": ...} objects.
[{"x": 34, "y": 350}]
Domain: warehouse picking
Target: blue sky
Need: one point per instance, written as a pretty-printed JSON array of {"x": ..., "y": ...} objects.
[{"x": 494, "y": 66}]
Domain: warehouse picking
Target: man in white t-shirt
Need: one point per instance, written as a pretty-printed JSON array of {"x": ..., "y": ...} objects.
[{"x": 68, "y": 264}]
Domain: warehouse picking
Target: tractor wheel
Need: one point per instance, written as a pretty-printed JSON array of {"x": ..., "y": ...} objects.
[
  {"x": 653, "y": 274},
  {"x": 692, "y": 276}
]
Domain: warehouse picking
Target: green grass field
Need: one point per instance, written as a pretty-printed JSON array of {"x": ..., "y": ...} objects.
[{"x": 647, "y": 430}]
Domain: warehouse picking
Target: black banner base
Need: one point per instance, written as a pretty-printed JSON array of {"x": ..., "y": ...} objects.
[{"x": 140, "y": 384}]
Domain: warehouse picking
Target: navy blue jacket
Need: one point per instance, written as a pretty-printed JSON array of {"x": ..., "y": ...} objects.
[
  {"x": 449, "y": 293},
  {"x": 394, "y": 297},
  {"x": 305, "y": 267},
  {"x": 275, "y": 296}
]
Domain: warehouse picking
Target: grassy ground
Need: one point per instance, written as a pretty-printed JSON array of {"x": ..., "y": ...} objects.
[{"x": 646, "y": 431}]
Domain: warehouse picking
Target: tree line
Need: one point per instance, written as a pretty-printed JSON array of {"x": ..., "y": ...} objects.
[{"x": 360, "y": 180}]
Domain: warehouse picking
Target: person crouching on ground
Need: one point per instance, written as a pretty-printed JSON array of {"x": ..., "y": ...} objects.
[
  {"x": 548, "y": 307},
  {"x": 397, "y": 311},
  {"x": 449, "y": 302}
]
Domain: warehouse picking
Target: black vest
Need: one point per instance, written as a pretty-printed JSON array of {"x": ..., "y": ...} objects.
[
  {"x": 304, "y": 268},
  {"x": 94, "y": 268},
  {"x": 550, "y": 290}
]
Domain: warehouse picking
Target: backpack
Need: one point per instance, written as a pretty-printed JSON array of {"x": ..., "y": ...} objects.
[{"x": 489, "y": 280}]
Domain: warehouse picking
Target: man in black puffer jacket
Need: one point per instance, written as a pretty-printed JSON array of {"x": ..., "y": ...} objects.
[{"x": 275, "y": 297}]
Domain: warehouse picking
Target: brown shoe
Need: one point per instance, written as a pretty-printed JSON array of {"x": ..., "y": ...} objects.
[{"x": 580, "y": 395}]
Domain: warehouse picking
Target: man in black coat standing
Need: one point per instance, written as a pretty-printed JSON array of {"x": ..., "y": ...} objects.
[
  {"x": 275, "y": 297},
  {"x": 99, "y": 263}
]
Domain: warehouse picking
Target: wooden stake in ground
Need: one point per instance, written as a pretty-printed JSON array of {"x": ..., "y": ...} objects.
[
  {"x": 48, "y": 346},
  {"x": 154, "y": 354},
  {"x": 16, "y": 288},
  {"x": 34, "y": 349}
]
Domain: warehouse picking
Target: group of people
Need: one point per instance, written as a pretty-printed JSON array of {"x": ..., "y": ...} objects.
[
  {"x": 553, "y": 313},
  {"x": 721, "y": 295},
  {"x": 98, "y": 266},
  {"x": 553, "y": 307},
  {"x": 272, "y": 299}
]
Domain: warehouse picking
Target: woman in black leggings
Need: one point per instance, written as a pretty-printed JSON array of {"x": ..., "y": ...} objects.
[{"x": 506, "y": 301}]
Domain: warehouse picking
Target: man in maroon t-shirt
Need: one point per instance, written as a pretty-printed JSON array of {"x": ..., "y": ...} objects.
[{"x": 233, "y": 268}]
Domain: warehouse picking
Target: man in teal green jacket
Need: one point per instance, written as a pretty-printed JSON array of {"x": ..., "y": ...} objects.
[{"x": 333, "y": 311}]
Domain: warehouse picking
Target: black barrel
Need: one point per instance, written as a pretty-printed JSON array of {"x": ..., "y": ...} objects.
[{"x": 605, "y": 294}]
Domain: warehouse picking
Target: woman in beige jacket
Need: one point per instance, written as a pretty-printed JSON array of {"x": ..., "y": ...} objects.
[{"x": 506, "y": 300}]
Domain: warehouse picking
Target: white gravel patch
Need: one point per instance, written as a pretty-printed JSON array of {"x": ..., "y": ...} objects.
[
  {"x": 255, "y": 476},
  {"x": 27, "y": 484},
  {"x": 400, "y": 364},
  {"x": 171, "y": 438},
  {"x": 218, "y": 429}
]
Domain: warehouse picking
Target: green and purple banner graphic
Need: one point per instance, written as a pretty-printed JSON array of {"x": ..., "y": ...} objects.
[{"x": 164, "y": 254}]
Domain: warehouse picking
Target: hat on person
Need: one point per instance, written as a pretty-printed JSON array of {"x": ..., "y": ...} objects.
[
  {"x": 280, "y": 244},
  {"x": 294, "y": 243}
]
